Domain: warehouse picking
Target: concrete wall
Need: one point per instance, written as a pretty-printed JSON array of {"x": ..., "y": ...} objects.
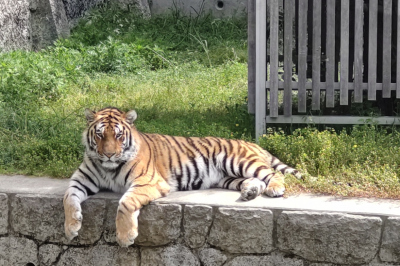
[
  {"x": 218, "y": 8},
  {"x": 198, "y": 228}
]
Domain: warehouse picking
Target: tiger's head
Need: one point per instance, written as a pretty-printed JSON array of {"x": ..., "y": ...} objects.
[{"x": 108, "y": 137}]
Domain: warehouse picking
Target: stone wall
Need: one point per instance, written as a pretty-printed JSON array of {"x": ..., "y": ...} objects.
[{"x": 184, "y": 229}]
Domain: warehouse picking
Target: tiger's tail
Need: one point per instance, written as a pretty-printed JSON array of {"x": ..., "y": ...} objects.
[{"x": 277, "y": 165}]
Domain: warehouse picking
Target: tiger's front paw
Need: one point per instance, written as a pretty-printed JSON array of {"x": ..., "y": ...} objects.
[
  {"x": 125, "y": 239},
  {"x": 127, "y": 228},
  {"x": 72, "y": 224}
]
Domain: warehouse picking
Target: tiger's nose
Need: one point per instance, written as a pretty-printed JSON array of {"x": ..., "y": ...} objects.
[{"x": 109, "y": 154}]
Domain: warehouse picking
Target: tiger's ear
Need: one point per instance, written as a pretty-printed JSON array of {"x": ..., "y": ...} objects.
[
  {"x": 89, "y": 115},
  {"x": 131, "y": 116}
]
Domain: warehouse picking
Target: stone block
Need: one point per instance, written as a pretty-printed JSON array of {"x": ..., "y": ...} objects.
[
  {"x": 158, "y": 224},
  {"x": 48, "y": 254},
  {"x": 390, "y": 247},
  {"x": 3, "y": 213},
  {"x": 168, "y": 256},
  {"x": 196, "y": 223},
  {"x": 42, "y": 217},
  {"x": 379, "y": 264},
  {"x": 242, "y": 230},
  {"x": 109, "y": 225},
  {"x": 329, "y": 237},
  {"x": 17, "y": 251},
  {"x": 275, "y": 259},
  {"x": 212, "y": 257},
  {"x": 100, "y": 255}
]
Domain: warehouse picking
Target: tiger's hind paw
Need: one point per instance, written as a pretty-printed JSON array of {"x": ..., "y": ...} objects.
[
  {"x": 275, "y": 189},
  {"x": 249, "y": 193},
  {"x": 251, "y": 189}
]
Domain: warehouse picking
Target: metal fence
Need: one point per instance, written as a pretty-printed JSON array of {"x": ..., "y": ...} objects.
[{"x": 330, "y": 52}]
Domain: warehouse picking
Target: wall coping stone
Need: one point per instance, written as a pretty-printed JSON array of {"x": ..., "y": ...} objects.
[
  {"x": 198, "y": 228},
  {"x": 19, "y": 184}
]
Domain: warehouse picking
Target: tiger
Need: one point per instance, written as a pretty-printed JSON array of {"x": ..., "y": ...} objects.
[{"x": 145, "y": 167}]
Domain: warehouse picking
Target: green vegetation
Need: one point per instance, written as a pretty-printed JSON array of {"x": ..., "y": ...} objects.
[
  {"x": 362, "y": 162},
  {"x": 184, "y": 76}
]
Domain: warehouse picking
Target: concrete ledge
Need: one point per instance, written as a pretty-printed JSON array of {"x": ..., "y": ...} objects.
[{"x": 210, "y": 227}]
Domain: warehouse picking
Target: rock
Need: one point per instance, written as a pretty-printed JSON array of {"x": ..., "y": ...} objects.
[
  {"x": 3, "y": 213},
  {"x": 196, "y": 223},
  {"x": 142, "y": 6},
  {"x": 60, "y": 18},
  {"x": 242, "y": 230},
  {"x": 75, "y": 9},
  {"x": 17, "y": 251},
  {"x": 48, "y": 254},
  {"x": 100, "y": 255},
  {"x": 168, "y": 256},
  {"x": 212, "y": 257},
  {"x": 47, "y": 20},
  {"x": 14, "y": 25},
  {"x": 275, "y": 259},
  {"x": 159, "y": 224},
  {"x": 329, "y": 237},
  {"x": 42, "y": 217},
  {"x": 390, "y": 248},
  {"x": 36, "y": 24}
]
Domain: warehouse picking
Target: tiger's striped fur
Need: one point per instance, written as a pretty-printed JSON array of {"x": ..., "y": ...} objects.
[{"x": 148, "y": 166}]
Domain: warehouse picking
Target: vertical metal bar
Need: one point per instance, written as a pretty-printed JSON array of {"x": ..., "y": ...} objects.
[
  {"x": 261, "y": 66},
  {"x": 274, "y": 53},
  {"x": 251, "y": 65},
  {"x": 372, "y": 49},
  {"x": 288, "y": 49},
  {"x": 316, "y": 55},
  {"x": 344, "y": 52},
  {"x": 398, "y": 52},
  {"x": 302, "y": 63},
  {"x": 358, "y": 51},
  {"x": 330, "y": 53},
  {"x": 387, "y": 51}
]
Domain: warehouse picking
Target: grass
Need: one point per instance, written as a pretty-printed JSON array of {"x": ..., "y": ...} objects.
[
  {"x": 184, "y": 76},
  {"x": 362, "y": 161}
]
